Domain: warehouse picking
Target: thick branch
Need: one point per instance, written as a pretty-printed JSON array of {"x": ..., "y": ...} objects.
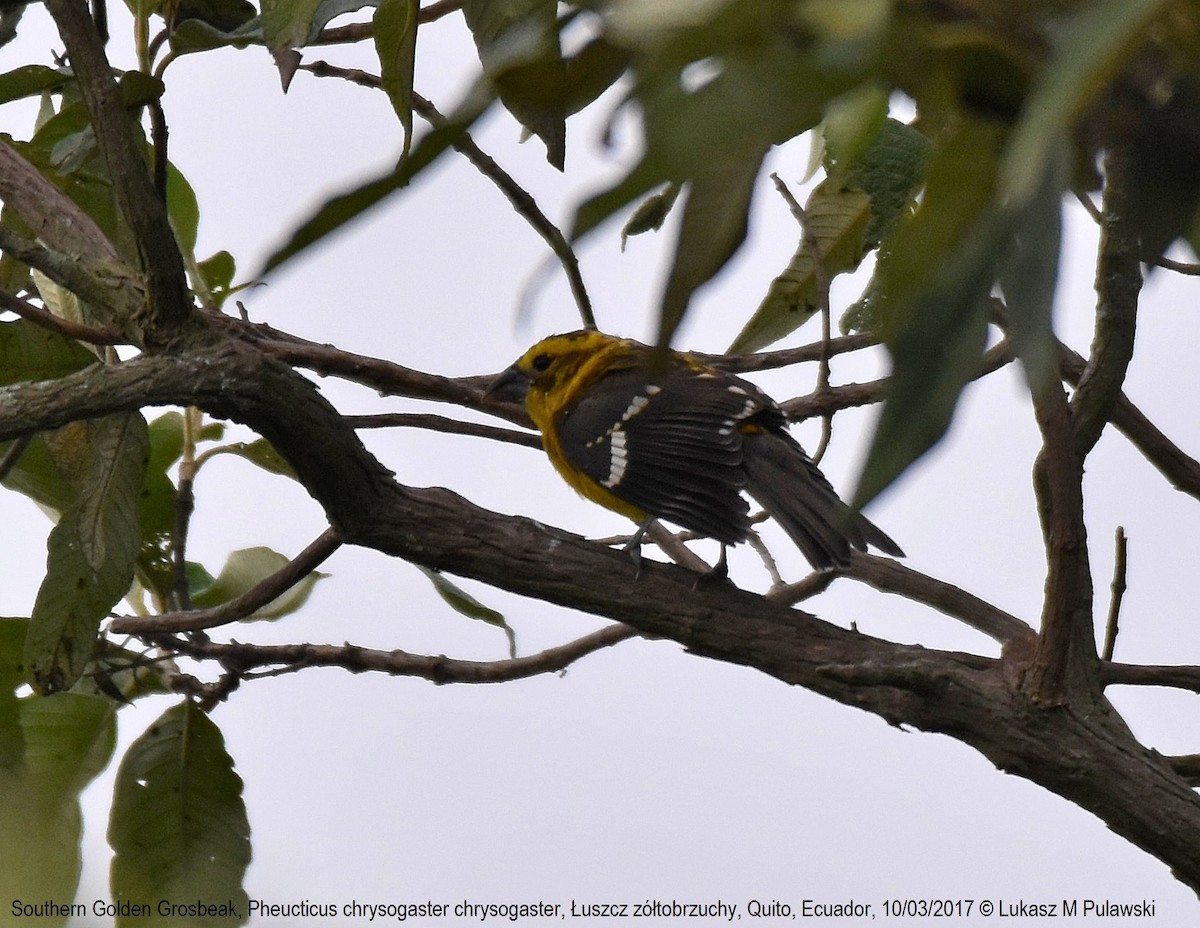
[
  {"x": 105, "y": 285},
  {"x": 50, "y": 214},
  {"x": 1065, "y": 662},
  {"x": 123, "y": 151},
  {"x": 1082, "y": 752}
]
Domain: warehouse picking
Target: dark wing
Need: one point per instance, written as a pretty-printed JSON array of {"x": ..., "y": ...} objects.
[
  {"x": 670, "y": 445},
  {"x": 796, "y": 494}
]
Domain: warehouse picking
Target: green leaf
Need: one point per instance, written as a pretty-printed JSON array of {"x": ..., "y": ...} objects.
[
  {"x": 891, "y": 171},
  {"x": 1091, "y": 52},
  {"x": 36, "y": 476},
  {"x": 712, "y": 228},
  {"x": 223, "y": 15},
  {"x": 29, "y": 80},
  {"x": 91, "y": 551},
  {"x": 260, "y": 453},
  {"x": 165, "y": 435},
  {"x": 852, "y": 124},
  {"x": 1028, "y": 275},
  {"x": 464, "y": 603},
  {"x": 847, "y": 214},
  {"x": 199, "y": 579},
  {"x": 179, "y": 829},
  {"x": 651, "y": 214},
  {"x": 183, "y": 209},
  {"x": 287, "y": 23},
  {"x": 245, "y": 569},
  {"x": 835, "y": 242},
  {"x": 758, "y": 90},
  {"x": 591, "y": 71},
  {"x": 12, "y": 675},
  {"x": 144, "y": 8},
  {"x": 930, "y": 297},
  {"x": 196, "y": 35},
  {"x": 218, "y": 272},
  {"x": 158, "y": 495},
  {"x": 138, "y": 89},
  {"x": 519, "y": 49},
  {"x": 68, "y": 740},
  {"x": 396, "y": 44},
  {"x": 645, "y": 175},
  {"x": 31, "y": 352}
]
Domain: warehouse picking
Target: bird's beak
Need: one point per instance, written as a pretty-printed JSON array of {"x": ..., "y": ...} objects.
[{"x": 510, "y": 386}]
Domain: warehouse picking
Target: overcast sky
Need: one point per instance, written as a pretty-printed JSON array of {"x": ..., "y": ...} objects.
[{"x": 643, "y": 772}]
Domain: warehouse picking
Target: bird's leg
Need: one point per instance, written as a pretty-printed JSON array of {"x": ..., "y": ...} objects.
[
  {"x": 718, "y": 573},
  {"x": 633, "y": 547}
]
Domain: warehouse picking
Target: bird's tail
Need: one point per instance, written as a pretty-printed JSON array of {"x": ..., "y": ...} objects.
[{"x": 796, "y": 494}]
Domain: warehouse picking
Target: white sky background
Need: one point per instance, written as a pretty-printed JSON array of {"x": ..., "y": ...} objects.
[{"x": 644, "y": 772}]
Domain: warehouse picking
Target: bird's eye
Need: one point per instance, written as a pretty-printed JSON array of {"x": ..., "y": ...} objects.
[{"x": 541, "y": 362}]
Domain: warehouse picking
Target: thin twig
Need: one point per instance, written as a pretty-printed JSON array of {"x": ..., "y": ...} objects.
[
  {"x": 240, "y": 607},
  {"x": 1175, "y": 676},
  {"x": 47, "y": 320},
  {"x": 791, "y": 593},
  {"x": 1118, "y": 593},
  {"x": 1180, "y": 468},
  {"x": 1180, "y": 267},
  {"x": 241, "y": 659},
  {"x": 891, "y": 576},
  {"x": 824, "y": 284},
  {"x": 13, "y": 454},
  {"x": 444, "y": 424},
  {"x": 518, "y": 196},
  {"x": 767, "y": 558},
  {"x": 439, "y": 9},
  {"x": 185, "y": 504}
]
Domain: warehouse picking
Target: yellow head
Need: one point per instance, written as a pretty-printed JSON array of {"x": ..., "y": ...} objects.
[{"x": 548, "y": 375}]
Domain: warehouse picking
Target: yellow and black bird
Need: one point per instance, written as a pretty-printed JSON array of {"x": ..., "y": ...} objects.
[{"x": 679, "y": 440}]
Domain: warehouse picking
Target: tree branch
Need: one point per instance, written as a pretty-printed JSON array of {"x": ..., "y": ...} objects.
[
  {"x": 52, "y": 216},
  {"x": 239, "y": 607},
  {"x": 64, "y": 327},
  {"x": 108, "y": 288},
  {"x": 1065, "y": 661},
  {"x": 890, "y": 576},
  {"x": 242, "y": 658},
  {"x": 1118, "y": 283},
  {"x": 1180, "y": 677},
  {"x": 1111, "y": 626},
  {"x": 1081, "y": 751},
  {"x": 518, "y": 196},
  {"x": 1178, "y": 467},
  {"x": 443, "y": 424},
  {"x": 168, "y": 298}
]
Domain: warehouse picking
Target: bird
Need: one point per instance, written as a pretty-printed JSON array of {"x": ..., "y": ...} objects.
[{"x": 664, "y": 435}]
